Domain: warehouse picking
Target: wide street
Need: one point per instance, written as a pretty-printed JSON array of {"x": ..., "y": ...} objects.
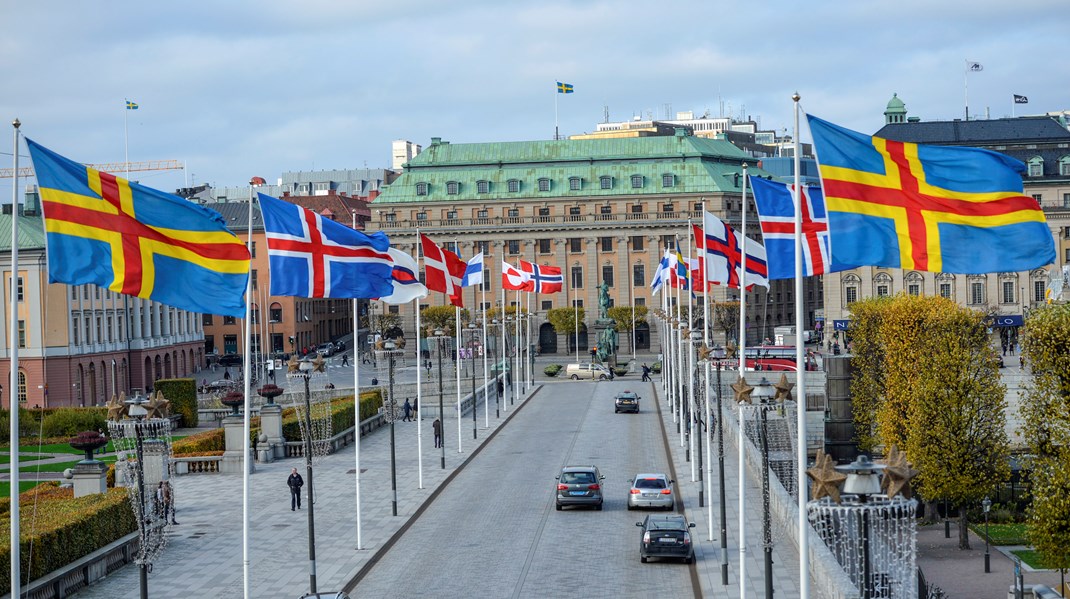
[{"x": 494, "y": 531}]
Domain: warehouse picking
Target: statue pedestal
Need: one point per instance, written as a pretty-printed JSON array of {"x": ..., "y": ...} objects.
[
  {"x": 235, "y": 443},
  {"x": 600, "y": 327},
  {"x": 271, "y": 426},
  {"x": 90, "y": 477}
]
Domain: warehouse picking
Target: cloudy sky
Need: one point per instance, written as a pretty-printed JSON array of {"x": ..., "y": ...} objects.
[{"x": 237, "y": 89}]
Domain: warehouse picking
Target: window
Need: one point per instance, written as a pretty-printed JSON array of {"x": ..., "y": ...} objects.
[
  {"x": 514, "y": 185},
  {"x": 20, "y": 290},
  {"x": 605, "y": 244},
  {"x": 1038, "y": 198},
  {"x": 605, "y": 182},
  {"x": 852, "y": 294},
  {"x": 100, "y": 330},
  {"x": 228, "y": 320},
  {"x": 544, "y": 184},
  {"x": 637, "y": 209},
  {"x": 22, "y": 387},
  {"x": 668, "y": 180},
  {"x": 638, "y": 275},
  {"x": 111, "y": 329},
  {"x": 22, "y": 332},
  {"x": 451, "y": 215},
  {"x": 640, "y": 301},
  {"x": 575, "y": 245},
  {"x": 544, "y": 246},
  {"x": 74, "y": 292},
  {"x": 605, "y": 209},
  {"x": 607, "y": 275},
  {"x": 391, "y": 217},
  {"x": 252, "y": 278},
  {"x": 637, "y": 181},
  {"x": 482, "y": 213},
  {"x": 977, "y": 292},
  {"x": 1036, "y": 166},
  {"x": 668, "y": 241},
  {"x": 882, "y": 291},
  {"x": 482, "y": 186},
  {"x": 514, "y": 246},
  {"x": 575, "y": 183},
  {"x": 514, "y": 213},
  {"x": 1008, "y": 292},
  {"x": 252, "y": 250},
  {"x": 574, "y": 211},
  {"x": 421, "y": 216},
  {"x": 1039, "y": 289},
  {"x": 637, "y": 243},
  {"x": 422, "y": 189},
  {"x": 85, "y": 291},
  {"x": 120, "y": 323},
  {"x": 393, "y": 309},
  {"x": 452, "y": 246},
  {"x": 1064, "y": 166},
  {"x": 75, "y": 330},
  {"x": 667, "y": 208},
  {"x": 914, "y": 289},
  {"x": 544, "y": 212},
  {"x": 577, "y": 277},
  {"x": 1066, "y": 200},
  {"x": 483, "y": 246},
  {"x": 1067, "y": 256},
  {"x": 453, "y": 188},
  {"x": 206, "y": 320},
  {"x": 547, "y": 305}
]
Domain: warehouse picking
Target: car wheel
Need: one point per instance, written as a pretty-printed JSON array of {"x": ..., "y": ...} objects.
[
  {"x": 598, "y": 507},
  {"x": 616, "y": 411},
  {"x": 631, "y": 507},
  {"x": 689, "y": 559},
  {"x": 642, "y": 558},
  {"x": 602, "y": 377},
  {"x": 575, "y": 378},
  {"x": 559, "y": 507}
]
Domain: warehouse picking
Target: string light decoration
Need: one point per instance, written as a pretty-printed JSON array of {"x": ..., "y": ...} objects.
[{"x": 319, "y": 403}]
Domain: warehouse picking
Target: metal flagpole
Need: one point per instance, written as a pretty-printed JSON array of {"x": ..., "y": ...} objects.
[
  {"x": 419, "y": 402},
  {"x": 527, "y": 344},
  {"x": 631, "y": 289},
  {"x": 505, "y": 355},
  {"x": 742, "y": 236},
  {"x": 246, "y": 424},
  {"x": 690, "y": 359},
  {"x": 800, "y": 380},
  {"x": 677, "y": 375},
  {"x": 516, "y": 322},
  {"x": 13, "y": 381},
  {"x": 486, "y": 393},
  {"x": 356, "y": 409},
  {"x": 457, "y": 369},
  {"x": 706, "y": 372}
]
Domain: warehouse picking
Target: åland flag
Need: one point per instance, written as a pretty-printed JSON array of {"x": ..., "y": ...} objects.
[
  {"x": 776, "y": 212},
  {"x": 929, "y": 208},
  {"x": 310, "y": 256},
  {"x": 137, "y": 241}
]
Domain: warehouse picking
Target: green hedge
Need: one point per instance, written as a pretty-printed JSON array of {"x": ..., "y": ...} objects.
[
  {"x": 341, "y": 414},
  {"x": 50, "y": 423},
  {"x": 206, "y": 443},
  {"x": 552, "y": 370},
  {"x": 64, "y": 528},
  {"x": 182, "y": 393}
]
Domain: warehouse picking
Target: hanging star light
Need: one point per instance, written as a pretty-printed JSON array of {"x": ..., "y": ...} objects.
[
  {"x": 319, "y": 364},
  {"x": 743, "y": 391},
  {"x": 704, "y": 352},
  {"x": 897, "y": 475},
  {"x": 294, "y": 365},
  {"x": 117, "y": 407},
  {"x": 826, "y": 479},
  {"x": 157, "y": 406},
  {"x": 783, "y": 389}
]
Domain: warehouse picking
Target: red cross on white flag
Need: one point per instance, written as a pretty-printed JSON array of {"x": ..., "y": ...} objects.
[{"x": 443, "y": 270}]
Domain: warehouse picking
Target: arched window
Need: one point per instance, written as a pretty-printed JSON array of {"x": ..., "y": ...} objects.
[
  {"x": 1036, "y": 166},
  {"x": 1064, "y": 166},
  {"x": 882, "y": 284},
  {"x": 276, "y": 312},
  {"x": 851, "y": 284},
  {"x": 22, "y": 386},
  {"x": 914, "y": 282},
  {"x": 945, "y": 285}
]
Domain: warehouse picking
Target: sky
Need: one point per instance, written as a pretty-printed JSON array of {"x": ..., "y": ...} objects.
[{"x": 236, "y": 89}]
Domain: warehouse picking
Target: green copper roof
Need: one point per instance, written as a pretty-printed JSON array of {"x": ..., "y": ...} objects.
[
  {"x": 895, "y": 104},
  {"x": 31, "y": 232},
  {"x": 696, "y": 165}
]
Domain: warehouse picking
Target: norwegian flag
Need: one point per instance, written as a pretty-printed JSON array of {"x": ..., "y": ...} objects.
[
  {"x": 513, "y": 279},
  {"x": 776, "y": 211},
  {"x": 310, "y": 256},
  {"x": 542, "y": 279},
  {"x": 720, "y": 248},
  {"x": 444, "y": 270}
]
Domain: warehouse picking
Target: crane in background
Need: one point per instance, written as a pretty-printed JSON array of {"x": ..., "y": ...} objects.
[{"x": 117, "y": 168}]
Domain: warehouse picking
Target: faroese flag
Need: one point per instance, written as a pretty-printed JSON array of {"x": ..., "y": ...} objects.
[
  {"x": 137, "y": 241},
  {"x": 928, "y": 208}
]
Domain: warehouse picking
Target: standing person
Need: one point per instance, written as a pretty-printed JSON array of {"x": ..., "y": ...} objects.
[
  {"x": 226, "y": 374},
  {"x": 408, "y": 410},
  {"x": 501, "y": 388},
  {"x": 168, "y": 501},
  {"x": 437, "y": 425},
  {"x": 646, "y": 373},
  {"x": 295, "y": 482},
  {"x": 416, "y": 408}
]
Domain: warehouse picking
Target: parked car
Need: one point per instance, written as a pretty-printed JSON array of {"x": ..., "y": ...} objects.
[
  {"x": 626, "y": 401},
  {"x": 222, "y": 385},
  {"x": 651, "y": 490},
  {"x": 579, "y": 485},
  {"x": 325, "y": 349},
  {"x": 228, "y": 360},
  {"x": 587, "y": 371},
  {"x": 666, "y": 536}
]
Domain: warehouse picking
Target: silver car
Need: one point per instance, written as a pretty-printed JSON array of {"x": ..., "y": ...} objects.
[
  {"x": 579, "y": 485},
  {"x": 652, "y": 490}
]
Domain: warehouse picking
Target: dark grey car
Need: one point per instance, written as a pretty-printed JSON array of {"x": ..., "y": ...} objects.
[
  {"x": 579, "y": 485},
  {"x": 626, "y": 401},
  {"x": 666, "y": 536}
]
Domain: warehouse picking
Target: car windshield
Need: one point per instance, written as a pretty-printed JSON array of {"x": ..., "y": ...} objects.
[
  {"x": 667, "y": 524},
  {"x": 650, "y": 483},
  {"x": 577, "y": 478},
  {"x": 627, "y": 396}
]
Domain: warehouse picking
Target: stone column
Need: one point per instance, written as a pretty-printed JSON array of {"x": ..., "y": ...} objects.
[
  {"x": 234, "y": 442},
  {"x": 271, "y": 446},
  {"x": 90, "y": 477}
]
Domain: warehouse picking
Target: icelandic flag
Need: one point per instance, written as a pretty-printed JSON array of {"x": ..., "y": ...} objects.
[
  {"x": 542, "y": 279},
  {"x": 722, "y": 255},
  {"x": 406, "y": 279},
  {"x": 473, "y": 272},
  {"x": 310, "y": 256},
  {"x": 660, "y": 273},
  {"x": 776, "y": 212}
]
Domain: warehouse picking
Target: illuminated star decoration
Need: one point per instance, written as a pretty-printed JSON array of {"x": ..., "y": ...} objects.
[
  {"x": 294, "y": 365},
  {"x": 826, "y": 479},
  {"x": 704, "y": 352},
  {"x": 318, "y": 364},
  {"x": 117, "y": 407},
  {"x": 897, "y": 476},
  {"x": 743, "y": 390},
  {"x": 783, "y": 389},
  {"x": 157, "y": 406}
]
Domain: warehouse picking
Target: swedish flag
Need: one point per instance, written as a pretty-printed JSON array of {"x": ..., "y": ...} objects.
[
  {"x": 564, "y": 88},
  {"x": 131, "y": 105}
]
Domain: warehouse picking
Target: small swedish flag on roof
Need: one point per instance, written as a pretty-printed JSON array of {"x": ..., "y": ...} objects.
[
  {"x": 131, "y": 105},
  {"x": 564, "y": 88}
]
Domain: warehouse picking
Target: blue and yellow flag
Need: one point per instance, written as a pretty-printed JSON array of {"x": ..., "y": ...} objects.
[
  {"x": 131, "y": 105},
  {"x": 928, "y": 208},
  {"x": 137, "y": 241},
  {"x": 564, "y": 88}
]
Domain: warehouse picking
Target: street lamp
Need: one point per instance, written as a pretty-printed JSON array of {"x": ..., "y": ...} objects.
[
  {"x": 473, "y": 341},
  {"x": 986, "y": 505},
  {"x": 719, "y": 355},
  {"x": 305, "y": 373},
  {"x": 696, "y": 339},
  {"x": 390, "y": 348},
  {"x": 863, "y": 480},
  {"x": 764, "y": 393},
  {"x": 440, "y": 338},
  {"x": 495, "y": 323}
]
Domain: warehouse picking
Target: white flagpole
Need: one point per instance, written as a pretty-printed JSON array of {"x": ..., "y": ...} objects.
[
  {"x": 246, "y": 423},
  {"x": 419, "y": 402},
  {"x": 530, "y": 380},
  {"x": 631, "y": 289},
  {"x": 706, "y": 369},
  {"x": 457, "y": 369},
  {"x": 356, "y": 409},
  {"x": 690, "y": 357},
  {"x": 505, "y": 356},
  {"x": 741, "y": 465},
  {"x": 486, "y": 393},
  {"x": 800, "y": 380},
  {"x": 678, "y": 341},
  {"x": 13, "y": 381}
]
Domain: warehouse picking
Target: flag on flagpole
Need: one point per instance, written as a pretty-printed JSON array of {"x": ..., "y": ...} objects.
[
  {"x": 660, "y": 273},
  {"x": 513, "y": 279},
  {"x": 565, "y": 88},
  {"x": 722, "y": 255},
  {"x": 974, "y": 66},
  {"x": 776, "y": 212},
  {"x": 138, "y": 241},
  {"x": 310, "y": 256},
  {"x": 929, "y": 208},
  {"x": 473, "y": 272},
  {"x": 1020, "y": 99},
  {"x": 405, "y": 279},
  {"x": 131, "y": 105},
  {"x": 542, "y": 279},
  {"x": 443, "y": 270}
]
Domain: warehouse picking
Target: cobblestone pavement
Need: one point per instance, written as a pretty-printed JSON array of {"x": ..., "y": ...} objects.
[{"x": 494, "y": 531}]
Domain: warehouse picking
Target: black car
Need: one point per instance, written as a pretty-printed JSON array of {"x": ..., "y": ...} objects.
[
  {"x": 666, "y": 536},
  {"x": 626, "y": 401}
]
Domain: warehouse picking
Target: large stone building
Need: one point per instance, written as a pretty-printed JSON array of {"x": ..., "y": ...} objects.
[
  {"x": 603, "y": 210},
  {"x": 1043, "y": 144},
  {"x": 79, "y": 345}
]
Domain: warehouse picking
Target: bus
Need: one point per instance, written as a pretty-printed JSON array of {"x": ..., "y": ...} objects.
[{"x": 776, "y": 357}]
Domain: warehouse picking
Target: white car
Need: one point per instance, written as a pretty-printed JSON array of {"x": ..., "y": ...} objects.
[{"x": 588, "y": 371}]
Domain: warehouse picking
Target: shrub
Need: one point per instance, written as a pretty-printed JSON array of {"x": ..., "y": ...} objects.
[
  {"x": 182, "y": 393},
  {"x": 29, "y": 424},
  {"x": 65, "y": 528},
  {"x": 341, "y": 414},
  {"x": 68, "y": 422},
  {"x": 210, "y": 442},
  {"x": 552, "y": 370},
  {"x": 655, "y": 367}
]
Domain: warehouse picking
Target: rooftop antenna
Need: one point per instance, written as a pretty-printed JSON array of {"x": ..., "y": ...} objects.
[{"x": 605, "y": 113}]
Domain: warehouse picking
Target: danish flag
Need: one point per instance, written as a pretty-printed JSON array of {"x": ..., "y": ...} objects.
[
  {"x": 542, "y": 279},
  {"x": 443, "y": 270}
]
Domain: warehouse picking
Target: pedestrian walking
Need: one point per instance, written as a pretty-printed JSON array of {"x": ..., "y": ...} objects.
[
  {"x": 427, "y": 365},
  {"x": 345, "y": 359},
  {"x": 226, "y": 374},
  {"x": 501, "y": 388},
  {"x": 646, "y": 373},
  {"x": 416, "y": 408},
  {"x": 165, "y": 500},
  {"x": 295, "y": 482},
  {"x": 437, "y": 426},
  {"x": 408, "y": 410}
]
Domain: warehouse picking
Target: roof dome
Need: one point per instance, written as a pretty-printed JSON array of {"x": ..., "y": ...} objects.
[{"x": 895, "y": 103}]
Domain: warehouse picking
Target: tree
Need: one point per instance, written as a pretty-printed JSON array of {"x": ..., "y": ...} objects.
[
  {"x": 622, "y": 315},
  {"x": 380, "y": 324},
  {"x": 564, "y": 319},
  {"x": 510, "y": 312},
  {"x": 725, "y": 315},
  {"x": 1046, "y": 411},
  {"x": 441, "y": 317}
]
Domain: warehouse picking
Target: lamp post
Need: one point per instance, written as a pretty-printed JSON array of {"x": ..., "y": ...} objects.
[
  {"x": 497, "y": 396},
  {"x": 138, "y": 412},
  {"x": 473, "y": 341},
  {"x": 390, "y": 349},
  {"x": 305, "y": 373},
  {"x": 696, "y": 338},
  {"x": 719, "y": 354},
  {"x": 986, "y": 505},
  {"x": 763, "y": 393},
  {"x": 440, "y": 338},
  {"x": 862, "y": 481}
]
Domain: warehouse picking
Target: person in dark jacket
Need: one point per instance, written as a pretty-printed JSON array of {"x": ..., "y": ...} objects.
[
  {"x": 437, "y": 426},
  {"x": 295, "y": 482}
]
